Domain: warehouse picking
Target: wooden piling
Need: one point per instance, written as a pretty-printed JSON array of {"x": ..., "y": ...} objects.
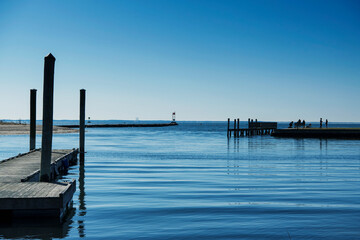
[
  {"x": 238, "y": 127},
  {"x": 82, "y": 125},
  {"x": 234, "y": 127},
  {"x": 47, "y": 129},
  {"x": 228, "y": 128},
  {"x": 32, "y": 144},
  {"x": 254, "y": 128}
]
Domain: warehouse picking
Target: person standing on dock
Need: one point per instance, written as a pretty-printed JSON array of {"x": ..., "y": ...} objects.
[
  {"x": 303, "y": 124},
  {"x": 326, "y": 123},
  {"x": 321, "y": 122}
]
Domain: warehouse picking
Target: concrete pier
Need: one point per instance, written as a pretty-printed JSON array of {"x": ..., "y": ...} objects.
[{"x": 351, "y": 133}]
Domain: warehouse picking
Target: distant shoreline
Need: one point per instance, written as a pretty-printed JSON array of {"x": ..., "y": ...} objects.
[{"x": 7, "y": 128}]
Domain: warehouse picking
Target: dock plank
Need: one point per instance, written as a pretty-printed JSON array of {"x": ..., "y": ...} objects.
[
  {"x": 37, "y": 195},
  {"x": 21, "y": 167},
  {"x": 23, "y": 195}
]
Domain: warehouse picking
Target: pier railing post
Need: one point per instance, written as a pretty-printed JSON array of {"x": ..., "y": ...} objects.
[
  {"x": 47, "y": 126},
  {"x": 235, "y": 127},
  {"x": 228, "y": 128},
  {"x": 238, "y": 127},
  {"x": 82, "y": 125},
  {"x": 32, "y": 119}
]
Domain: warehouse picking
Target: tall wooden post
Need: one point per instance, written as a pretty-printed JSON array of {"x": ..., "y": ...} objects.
[
  {"x": 47, "y": 128},
  {"x": 82, "y": 125},
  {"x": 235, "y": 127},
  {"x": 256, "y": 126},
  {"x": 238, "y": 127},
  {"x": 32, "y": 145},
  {"x": 228, "y": 128}
]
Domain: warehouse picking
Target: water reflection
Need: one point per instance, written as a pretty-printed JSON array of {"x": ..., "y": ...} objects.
[
  {"x": 251, "y": 143},
  {"x": 37, "y": 228},
  {"x": 82, "y": 205},
  {"x": 254, "y": 163},
  {"x": 255, "y": 143},
  {"x": 324, "y": 143}
]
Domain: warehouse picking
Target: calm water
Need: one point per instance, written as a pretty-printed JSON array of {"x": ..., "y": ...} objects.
[{"x": 191, "y": 182}]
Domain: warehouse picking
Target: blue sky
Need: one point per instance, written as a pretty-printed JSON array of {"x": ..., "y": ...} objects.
[{"x": 206, "y": 60}]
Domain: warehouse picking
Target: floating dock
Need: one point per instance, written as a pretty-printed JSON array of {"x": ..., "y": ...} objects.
[
  {"x": 344, "y": 133},
  {"x": 123, "y": 125},
  {"x": 21, "y": 193},
  {"x": 28, "y": 186}
]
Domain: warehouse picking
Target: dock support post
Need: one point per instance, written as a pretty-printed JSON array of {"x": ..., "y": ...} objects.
[
  {"x": 47, "y": 128},
  {"x": 238, "y": 127},
  {"x": 228, "y": 127},
  {"x": 234, "y": 127},
  {"x": 82, "y": 125},
  {"x": 32, "y": 119},
  {"x": 256, "y": 126}
]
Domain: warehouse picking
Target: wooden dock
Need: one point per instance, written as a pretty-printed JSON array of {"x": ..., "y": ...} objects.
[
  {"x": 344, "y": 133},
  {"x": 21, "y": 193},
  {"x": 254, "y": 128},
  {"x": 28, "y": 186}
]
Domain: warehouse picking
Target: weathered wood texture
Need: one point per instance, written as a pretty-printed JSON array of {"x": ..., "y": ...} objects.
[
  {"x": 34, "y": 195},
  {"x": 34, "y": 199},
  {"x": 48, "y": 113},
  {"x": 26, "y": 167},
  {"x": 21, "y": 193},
  {"x": 82, "y": 125},
  {"x": 32, "y": 144}
]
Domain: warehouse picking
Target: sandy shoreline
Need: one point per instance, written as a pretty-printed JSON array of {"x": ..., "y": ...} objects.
[{"x": 23, "y": 129}]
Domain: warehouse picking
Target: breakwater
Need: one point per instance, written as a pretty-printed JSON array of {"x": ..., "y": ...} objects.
[{"x": 122, "y": 125}]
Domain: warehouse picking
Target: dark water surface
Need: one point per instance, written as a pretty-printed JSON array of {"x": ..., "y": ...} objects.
[{"x": 191, "y": 182}]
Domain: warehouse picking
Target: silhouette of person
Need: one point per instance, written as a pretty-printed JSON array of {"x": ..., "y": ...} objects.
[
  {"x": 326, "y": 123},
  {"x": 303, "y": 123},
  {"x": 298, "y": 123},
  {"x": 321, "y": 122},
  {"x": 291, "y": 124}
]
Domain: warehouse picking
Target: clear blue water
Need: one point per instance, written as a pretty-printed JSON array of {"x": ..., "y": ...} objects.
[{"x": 191, "y": 182}]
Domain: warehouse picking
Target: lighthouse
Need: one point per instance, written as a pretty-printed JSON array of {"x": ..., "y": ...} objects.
[{"x": 173, "y": 117}]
